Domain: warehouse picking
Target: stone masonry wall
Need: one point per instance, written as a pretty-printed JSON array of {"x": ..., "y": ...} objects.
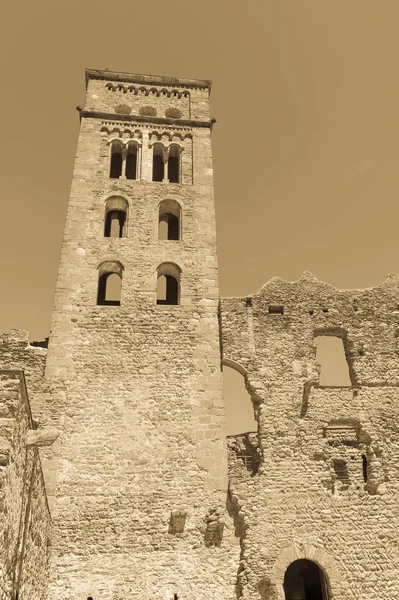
[
  {"x": 140, "y": 499},
  {"x": 301, "y": 502},
  {"x": 25, "y": 518},
  {"x": 109, "y": 93}
]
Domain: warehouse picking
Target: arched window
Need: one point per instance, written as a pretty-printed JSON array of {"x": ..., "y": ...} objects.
[
  {"x": 158, "y": 166},
  {"x": 169, "y": 220},
  {"x": 331, "y": 356},
  {"x": 109, "y": 283},
  {"x": 131, "y": 162},
  {"x": 116, "y": 160},
  {"x": 174, "y": 164},
  {"x": 115, "y": 224},
  {"x": 168, "y": 284},
  {"x": 304, "y": 580}
]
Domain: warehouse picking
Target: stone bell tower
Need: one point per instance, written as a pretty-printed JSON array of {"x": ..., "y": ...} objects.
[{"x": 140, "y": 494}]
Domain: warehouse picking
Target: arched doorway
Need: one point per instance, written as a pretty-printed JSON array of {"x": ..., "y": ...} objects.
[{"x": 304, "y": 580}]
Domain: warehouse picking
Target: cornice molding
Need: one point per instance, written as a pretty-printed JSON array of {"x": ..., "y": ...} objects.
[{"x": 89, "y": 114}]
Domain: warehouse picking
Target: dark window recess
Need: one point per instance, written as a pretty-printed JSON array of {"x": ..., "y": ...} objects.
[
  {"x": 341, "y": 471},
  {"x": 172, "y": 227},
  {"x": 116, "y": 165},
  {"x": 276, "y": 309},
  {"x": 173, "y": 169},
  {"x": 131, "y": 164},
  {"x": 115, "y": 223},
  {"x": 157, "y": 168},
  {"x": 170, "y": 292},
  {"x": 109, "y": 290},
  {"x": 41, "y": 344},
  {"x": 248, "y": 302},
  {"x": 364, "y": 465}
]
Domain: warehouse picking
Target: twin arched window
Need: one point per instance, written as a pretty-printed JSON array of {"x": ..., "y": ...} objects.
[
  {"x": 166, "y": 158},
  {"x": 116, "y": 219},
  {"x": 166, "y": 161},
  {"x": 121, "y": 154},
  {"x": 110, "y": 283}
]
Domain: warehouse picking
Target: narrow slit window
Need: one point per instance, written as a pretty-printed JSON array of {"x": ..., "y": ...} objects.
[
  {"x": 365, "y": 469},
  {"x": 131, "y": 162},
  {"x": 158, "y": 167},
  {"x": 116, "y": 161}
]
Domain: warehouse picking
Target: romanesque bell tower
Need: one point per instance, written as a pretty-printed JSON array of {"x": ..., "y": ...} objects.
[{"x": 139, "y": 499}]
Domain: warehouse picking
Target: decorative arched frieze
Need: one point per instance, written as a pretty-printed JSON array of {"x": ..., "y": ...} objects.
[
  {"x": 152, "y": 91},
  {"x": 121, "y": 132}
]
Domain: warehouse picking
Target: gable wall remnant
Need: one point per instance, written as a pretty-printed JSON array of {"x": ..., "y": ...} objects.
[{"x": 327, "y": 481}]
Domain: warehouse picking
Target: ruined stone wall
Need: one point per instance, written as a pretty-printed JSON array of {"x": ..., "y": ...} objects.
[
  {"x": 25, "y": 518},
  {"x": 327, "y": 485},
  {"x": 17, "y": 353},
  {"x": 140, "y": 502}
]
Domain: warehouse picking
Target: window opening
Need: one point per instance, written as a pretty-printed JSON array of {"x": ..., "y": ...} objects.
[
  {"x": 330, "y": 355},
  {"x": 131, "y": 162},
  {"x": 169, "y": 220},
  {"x": 341, "y": 473},
  {"x": 158, "y": 167},
  {"x": 109, "y": 284},
  {"x": 240, "y": 416},
  {"x": 173, "y": 164},
  {"x": 168, "y": 284},
  {"x": 109, "y": 290},
  {"x": 115, "y": 224},
  {"x": 116, "y": 161},
  {"x": 364, "y": 465},
  {"x": 304, "y": 580},
  {"x": 168, "y": 290},
  {"x": 276, "y": 309}
]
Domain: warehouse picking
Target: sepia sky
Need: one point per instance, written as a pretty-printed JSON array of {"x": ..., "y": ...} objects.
[{"x": 306, "y": 156}]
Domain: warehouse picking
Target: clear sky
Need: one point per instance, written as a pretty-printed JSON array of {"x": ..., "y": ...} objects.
[{"x": 306, "y": 157}]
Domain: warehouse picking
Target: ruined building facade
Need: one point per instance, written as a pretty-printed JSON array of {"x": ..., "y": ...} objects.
[{"x": 117, "y": 479}]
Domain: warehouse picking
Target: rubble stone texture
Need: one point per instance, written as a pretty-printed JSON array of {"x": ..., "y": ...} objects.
[{"x": 148, "y": 497}]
